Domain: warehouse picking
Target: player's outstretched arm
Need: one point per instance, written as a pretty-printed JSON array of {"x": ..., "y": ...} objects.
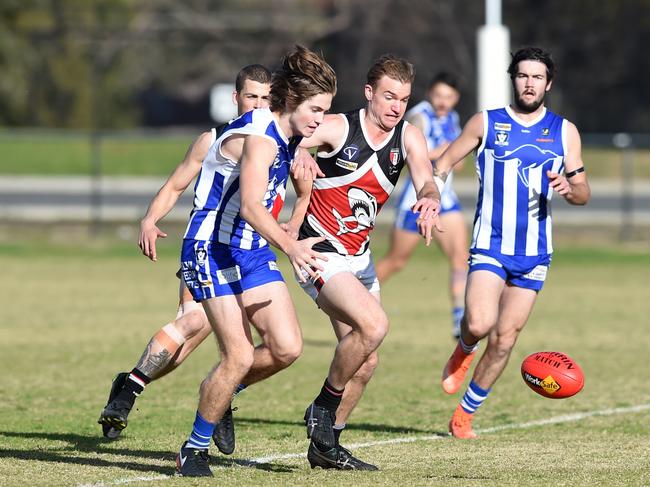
[
  {"x": 428, "y": 203},
  {"x": 573, "y": 185},
  {"x": 468, "y": 140},
  {"x": 168, "y": 194}
]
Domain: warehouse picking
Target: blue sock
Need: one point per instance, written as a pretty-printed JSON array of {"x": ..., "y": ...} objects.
[
  {"x": 240, "y": 388},
  {"x": 473, "y": 398},
  {"x": 201, "y": 433}
]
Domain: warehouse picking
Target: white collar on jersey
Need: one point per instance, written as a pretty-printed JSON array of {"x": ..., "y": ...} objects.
[{"x": 514, "y": 116}]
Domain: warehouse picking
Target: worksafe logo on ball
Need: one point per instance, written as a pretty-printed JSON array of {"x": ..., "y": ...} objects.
[{"x": 549, "y": 384}]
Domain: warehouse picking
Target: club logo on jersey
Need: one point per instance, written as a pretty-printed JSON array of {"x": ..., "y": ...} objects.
[
  {"x": 545, "y": 132},
  {"x": 527, "y": 152},
  {"x": 501, "y": 139},
  {"x": 502, "y": 126},
  {"x": 393, "y": 157},
  {"x": 363, "y": 207}
]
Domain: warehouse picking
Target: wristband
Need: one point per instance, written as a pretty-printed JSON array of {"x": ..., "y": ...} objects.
[{"x": 573, "y": 173}]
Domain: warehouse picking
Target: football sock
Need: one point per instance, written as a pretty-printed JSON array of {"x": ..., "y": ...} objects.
[
  {"x": 467, "y": 348},
  {"x": 338, "y": 429},
  {"x": 133, "y": 386},
  {"x": 329, "y": 397},
  {"x": 240, "y": 388},
  {"x": 473, "y": 398},
  {"x": 201, "y": 433}
]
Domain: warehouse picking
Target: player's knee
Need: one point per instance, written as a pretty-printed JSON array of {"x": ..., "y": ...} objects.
[
  {"x": 374, "y": 330},
  {"x": 288, "y": 353},
  {"x": 191, "y": 323},
  {"x": 478, "y": 324},
  {"x": 240, "y": 360}
]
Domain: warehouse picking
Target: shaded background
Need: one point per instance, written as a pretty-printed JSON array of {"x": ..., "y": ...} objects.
[{"x": 127, "y": 63}]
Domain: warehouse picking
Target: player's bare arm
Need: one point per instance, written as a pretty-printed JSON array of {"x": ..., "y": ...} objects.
[
  {"x": 168, "y": 194},
  {"x": 258, "y": 153},
  {"x": 573, "y": 185},
  {"x": 468, "y": 140},
  {"x": 428, "y": 203},
  {"x": 303, "y": 192}
]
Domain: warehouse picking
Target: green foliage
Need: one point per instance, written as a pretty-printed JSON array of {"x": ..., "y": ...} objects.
[{"x": 98, "y": 304}]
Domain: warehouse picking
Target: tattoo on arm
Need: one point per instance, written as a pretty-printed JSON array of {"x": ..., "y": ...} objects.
[
  {"x": 152, "y": 364},
  {"x": 441, "y": 174}
]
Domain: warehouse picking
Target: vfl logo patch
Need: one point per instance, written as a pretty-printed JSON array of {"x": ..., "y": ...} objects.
[
  {"x": 501, "y": 139},
  {"x": 231, "y": 274},
  {"x": 351, "y": 152},
  {"x": 201, "y": 255}
]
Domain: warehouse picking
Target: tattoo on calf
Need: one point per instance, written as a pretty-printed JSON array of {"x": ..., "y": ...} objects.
[{"x": 150, "y": 364}]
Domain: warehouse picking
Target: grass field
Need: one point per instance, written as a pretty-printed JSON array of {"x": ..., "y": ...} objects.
[
  {"x": 139, "y": 155},
  {"x": 73, "y": 315}
]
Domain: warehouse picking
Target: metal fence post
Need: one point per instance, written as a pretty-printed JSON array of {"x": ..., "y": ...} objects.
[{"x": 624, "y": 142}]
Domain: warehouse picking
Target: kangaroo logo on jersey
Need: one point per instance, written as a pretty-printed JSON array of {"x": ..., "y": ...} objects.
[
  {"x": 528, "y": 152},
  {"x": 363, "y": 206}
]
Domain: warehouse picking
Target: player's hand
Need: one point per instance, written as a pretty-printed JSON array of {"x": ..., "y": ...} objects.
[
  {"x": 559, "y": 183},
  {"x": 290, "y": 230},
  {"x": 429, "y": 209},
  {"x": 304, "y": 166},
  {"x": 304, "y": 259},
  {"x": 149, "y": 233}
]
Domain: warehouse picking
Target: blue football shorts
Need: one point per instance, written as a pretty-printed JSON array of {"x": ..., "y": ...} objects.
[
  {"x": 528, "y": 272},
  {"x": 211, "y": 269}
]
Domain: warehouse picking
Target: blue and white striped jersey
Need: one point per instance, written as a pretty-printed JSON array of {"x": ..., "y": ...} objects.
[
  {"x": 513, "y": 212},
  {"x": 215, "y": 216},
  {"x": 437, "y": 131}
]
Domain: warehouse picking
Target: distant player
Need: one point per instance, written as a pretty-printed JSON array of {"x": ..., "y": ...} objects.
[
  {"x": 524, "y": 153},
  {"x": 439, "y": 122},
  {"x": 362, "y": 154}
]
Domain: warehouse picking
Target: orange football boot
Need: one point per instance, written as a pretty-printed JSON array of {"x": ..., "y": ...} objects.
[
  {"x": 455, "y": 370},
  {"x": 460, "y": 425}
]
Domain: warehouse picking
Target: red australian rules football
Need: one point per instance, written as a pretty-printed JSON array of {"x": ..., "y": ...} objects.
[{"x": 552, "y": 374}]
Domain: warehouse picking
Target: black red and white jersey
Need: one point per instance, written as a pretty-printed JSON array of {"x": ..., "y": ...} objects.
[{"x": 359, "y": 178}]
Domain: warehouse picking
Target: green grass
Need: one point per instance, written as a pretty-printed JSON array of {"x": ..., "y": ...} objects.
[
  {"x": 156, "y": 155},
  {"x": 55, "y": 155},
  {"x": 74, "y": 314}
]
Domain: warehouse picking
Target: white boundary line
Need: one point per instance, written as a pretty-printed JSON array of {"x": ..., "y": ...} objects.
[{"x": 567, "y": 418}]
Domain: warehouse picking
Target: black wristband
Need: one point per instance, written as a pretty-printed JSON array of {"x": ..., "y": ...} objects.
[{"x": 573, "y": 173}]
